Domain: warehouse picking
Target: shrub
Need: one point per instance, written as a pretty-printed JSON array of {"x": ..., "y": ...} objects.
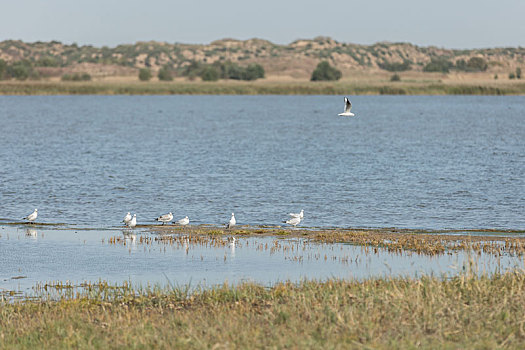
[
  {"x": 164, "y": 74},
  {"x": 395, "y": 67},
  {"x": 518, "y": 73},
  {"x": 253, "y": 72},
  {"x": 477, "y": 64},
  {"x": 76, "y": 77},
  {"x": 210, "y": 74},
  {"x": 324, "y": 71},
  {"x": 395, "y": 77},
  {"x": 512, "y": 76},
  {"x": 144, "y": 74},
  {"x": 3, "y": 68},
  {"x": 438, "y": 65}
]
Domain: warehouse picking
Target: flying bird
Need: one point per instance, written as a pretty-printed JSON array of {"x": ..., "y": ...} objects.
[{"x": 348, "y": 107}]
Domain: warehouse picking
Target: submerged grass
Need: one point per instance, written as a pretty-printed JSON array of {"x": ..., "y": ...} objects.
[
  {"x": 257, "y": 88},
  {"x": 469, "y": 311}
]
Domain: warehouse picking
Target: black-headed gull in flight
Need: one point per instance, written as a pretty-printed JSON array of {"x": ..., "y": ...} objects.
[{"x": 348, "y": 107}]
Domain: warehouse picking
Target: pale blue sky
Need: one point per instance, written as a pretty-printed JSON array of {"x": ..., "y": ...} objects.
[{"x": 443, "y": 23}]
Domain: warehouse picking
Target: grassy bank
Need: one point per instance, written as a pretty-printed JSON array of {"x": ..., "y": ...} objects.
[
  {"x": 463, "y": 312},
  {"x": 257, "y": 88}
]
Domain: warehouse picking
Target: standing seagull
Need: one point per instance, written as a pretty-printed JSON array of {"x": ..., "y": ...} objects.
[
  {"x": 184, "y": 221},
  {"x": 297, "y": 215},
  {"x": 165, "y": 218},
  {"x": 133, "y": 221},
  {"x": 348, "y": 107},
  {"x": 232, "y": 221},
  {"x": 127, "y": 218},
  {"x": 31, "y": 217},
  {"x": 293, "y": 221}
]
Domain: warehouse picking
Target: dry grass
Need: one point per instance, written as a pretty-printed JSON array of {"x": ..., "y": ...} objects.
[{"x": 462, "y": 312}]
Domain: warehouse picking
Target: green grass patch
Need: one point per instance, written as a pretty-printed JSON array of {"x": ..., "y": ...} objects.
[{"x": 381, "y": 313}]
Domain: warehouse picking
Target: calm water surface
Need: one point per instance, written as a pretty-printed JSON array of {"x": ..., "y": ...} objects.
[
  {"x": 34, "y": 255},
  {"x": 405, "y": 161}
]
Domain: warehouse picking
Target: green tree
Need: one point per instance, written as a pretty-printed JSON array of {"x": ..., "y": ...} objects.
[
  {"x": 324, "y": 71},
  {"x": 210, "y": 74},
  {"x": 144, "y": 74},
  {"x": 477, "y": 64},
  {"x": 518, "y": 73},
  {"x": 438, "y": 65},
  {"x": 253, "y": 72},
  {"x": 3, "y": 68},
  {"x": 164, "y": 74}
]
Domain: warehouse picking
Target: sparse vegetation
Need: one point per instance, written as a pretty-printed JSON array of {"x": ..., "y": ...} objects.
[
  {"x": 395, "y": 66},
  {"x": 76, "y": 77}
]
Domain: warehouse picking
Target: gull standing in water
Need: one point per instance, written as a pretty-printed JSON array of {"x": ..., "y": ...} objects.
[
  {"x": 232, "y": 222},
  {"x": 165, "y": 218},
  {"x": 293, "y": 221},
  {"x": 127, "y": 218},
  {"x": 184, "y": 221},
  {"x": 348, "y": 107},
  {"x": 297, "y": 215},
  {"x": 31, "y": 217},
  {"x": 133, "y": 221}
]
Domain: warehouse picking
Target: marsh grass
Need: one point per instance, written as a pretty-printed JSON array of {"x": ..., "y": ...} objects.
[
  {"x": 258, "y": 88},
  {"x": 468, "y": 311}
]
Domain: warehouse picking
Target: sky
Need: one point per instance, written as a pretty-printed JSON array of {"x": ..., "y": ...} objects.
[{"x": 455, "y": 24}]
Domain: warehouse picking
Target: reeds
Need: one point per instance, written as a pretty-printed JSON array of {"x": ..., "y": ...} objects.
[{"x": 258, "y": 88}]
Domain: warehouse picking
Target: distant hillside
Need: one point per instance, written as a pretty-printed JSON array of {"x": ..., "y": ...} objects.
[{"x": 296, "y": 60}]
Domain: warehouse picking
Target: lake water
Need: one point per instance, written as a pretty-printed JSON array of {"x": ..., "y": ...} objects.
[
  {"x": 432, "y": 162},
  {"x": 32, "y": 255}
]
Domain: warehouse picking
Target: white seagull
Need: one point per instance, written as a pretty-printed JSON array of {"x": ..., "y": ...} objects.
[
  {"x": 165, "y": 218},
  {"x": 293, "y": 221},
  {"x": 348, "y": 107},
  {"x": 232, "y": 221},
  {"x": 127, "y": 218},
  {"x": 184, "y": 221},
  {"x": 133, "y": 221},
  {"x": 297, "y": 215},
  {"x": 31, "y": 217}
]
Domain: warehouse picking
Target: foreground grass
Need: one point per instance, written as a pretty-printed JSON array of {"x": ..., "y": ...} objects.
[
  {"x": 257, "y": 88},
  {"x": 463, "y": 312}
]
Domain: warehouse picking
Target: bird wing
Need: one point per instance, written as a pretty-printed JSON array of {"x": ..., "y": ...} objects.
[{"x": 348, "y": 105}]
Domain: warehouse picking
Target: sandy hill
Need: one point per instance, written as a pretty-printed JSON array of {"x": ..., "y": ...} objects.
[{"x": 296, "y": 60}]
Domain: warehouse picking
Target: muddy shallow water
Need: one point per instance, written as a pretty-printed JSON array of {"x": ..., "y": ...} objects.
[{"x": 33, "y": 254}]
